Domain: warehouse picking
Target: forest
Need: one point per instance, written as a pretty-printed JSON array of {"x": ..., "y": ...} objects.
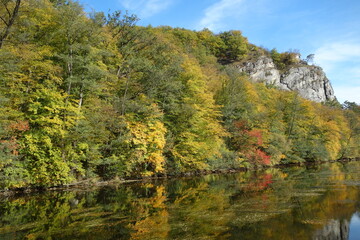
[{"x": 96, "y": 96}]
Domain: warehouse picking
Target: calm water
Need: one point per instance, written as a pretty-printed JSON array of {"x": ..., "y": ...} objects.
[{"x": 295, "y": 203}]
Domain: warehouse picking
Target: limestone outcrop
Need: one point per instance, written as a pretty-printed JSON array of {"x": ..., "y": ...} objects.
[{"x": 308, "y": 80}]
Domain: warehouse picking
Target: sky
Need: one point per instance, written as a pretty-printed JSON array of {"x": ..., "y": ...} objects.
[{"x": 330, "y": 29}]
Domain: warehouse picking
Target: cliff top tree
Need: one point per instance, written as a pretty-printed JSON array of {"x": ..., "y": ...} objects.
[
  {"x": 235, "y": 45},
  {"x": 310, "y": 58}
]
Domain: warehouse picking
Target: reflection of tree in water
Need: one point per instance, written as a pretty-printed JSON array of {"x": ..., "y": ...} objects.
[
  {"x": 315, "y": 206},
  {"x": 305, "y": 204},
  {"x": 105, "y": 214}
]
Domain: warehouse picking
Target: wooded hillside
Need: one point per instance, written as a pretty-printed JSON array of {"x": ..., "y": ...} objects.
[{"x": 94, "y": 96}]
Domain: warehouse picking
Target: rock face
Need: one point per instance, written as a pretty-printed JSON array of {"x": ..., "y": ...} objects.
[
  {"x": 309, "y": 81},
  {"x": 334, "y": 230}
]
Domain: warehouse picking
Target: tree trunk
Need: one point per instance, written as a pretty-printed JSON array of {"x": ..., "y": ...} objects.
[
  {"x": 70, "y": 69},
  {"x": 81, "y": 97},
  {"x": 8, "y": 23},
  {"x": 123, "y": 105}
]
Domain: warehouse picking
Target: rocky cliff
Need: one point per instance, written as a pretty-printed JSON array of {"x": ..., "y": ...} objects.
[{"x": 309, "y": 81}]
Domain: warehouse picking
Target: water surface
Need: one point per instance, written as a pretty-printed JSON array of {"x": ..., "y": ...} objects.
[{"x": 320, "y": 202}]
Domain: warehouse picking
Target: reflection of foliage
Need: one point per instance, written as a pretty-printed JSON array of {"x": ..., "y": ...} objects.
[{"x": 296, "y": 200}]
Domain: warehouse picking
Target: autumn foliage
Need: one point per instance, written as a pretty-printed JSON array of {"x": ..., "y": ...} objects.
[
  {"x": 98, "y": 97},
  {"x": 250, "y": 143}
]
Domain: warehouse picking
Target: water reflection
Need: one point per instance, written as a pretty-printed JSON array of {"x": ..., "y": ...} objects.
[
  {"x": 334, "y": 229},
  {"x": 355, "y": 227},
  {"x": 295, "y": 203}
]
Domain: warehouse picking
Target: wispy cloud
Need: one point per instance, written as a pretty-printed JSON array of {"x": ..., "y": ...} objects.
[
  {"x": 341, "y": 62},
  {"x": 146, "y": 8},
  {"x": 332, "y": 54},
  {"x": 216, "y": 13}
]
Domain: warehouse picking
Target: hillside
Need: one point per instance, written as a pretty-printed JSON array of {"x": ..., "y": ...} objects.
[{"x": 98, "y": 97}]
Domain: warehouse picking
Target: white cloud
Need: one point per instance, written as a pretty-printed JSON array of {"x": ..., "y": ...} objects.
[
  {"x": 215, "y": 14},
  {"x": 330, "y": 55},
  {"x": 341, "y": 62},
  {"x": 146, "y": 8},
  {"x": 349, "y": 93}
]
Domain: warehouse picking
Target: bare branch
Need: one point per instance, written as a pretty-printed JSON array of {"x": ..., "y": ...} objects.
[
  {"x": 6, "y": 23},
  {"x": 8, "y": 11},
  {"x": 11, "y": 22}
]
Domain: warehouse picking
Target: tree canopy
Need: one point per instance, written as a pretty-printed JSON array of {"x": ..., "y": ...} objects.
[{"x": 88, "y": 96}]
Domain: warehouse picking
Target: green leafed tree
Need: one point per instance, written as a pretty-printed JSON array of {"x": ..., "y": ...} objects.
[
  {"x": 50, "y": 117},
  {"x": 198, "y": 132}
]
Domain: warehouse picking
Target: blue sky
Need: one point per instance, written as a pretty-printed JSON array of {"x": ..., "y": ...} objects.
[{"x": 328, "y": 28}]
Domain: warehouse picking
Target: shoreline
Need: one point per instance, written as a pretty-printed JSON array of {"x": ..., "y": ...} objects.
[{"x": 89, "y": 184}]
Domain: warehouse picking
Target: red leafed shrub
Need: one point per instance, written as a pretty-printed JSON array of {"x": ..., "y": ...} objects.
[
  {"x": 256, "y": 136},
  {"x": 241, "y": 125},
  {"x": 19, "y": 126},
  {"x": 258, "y": 156},
  {"x": 14, "y": 131},
  {"x": 250, "y": 143},
  {"x": 11, "y": 145}
]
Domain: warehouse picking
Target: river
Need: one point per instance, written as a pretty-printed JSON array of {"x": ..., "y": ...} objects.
[{"x": 317, "y": 202}]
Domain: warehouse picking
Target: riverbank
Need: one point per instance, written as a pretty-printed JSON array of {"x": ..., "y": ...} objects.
[{"x": 95, "y": 182}]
